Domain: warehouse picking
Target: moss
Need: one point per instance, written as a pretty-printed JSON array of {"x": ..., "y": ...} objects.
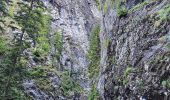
[
  {"x": 138, "y": 6},
  {"x": 94, "y": 53},
  {"x": 93, "y": 95},
  {"x": 164, "y": 13}
]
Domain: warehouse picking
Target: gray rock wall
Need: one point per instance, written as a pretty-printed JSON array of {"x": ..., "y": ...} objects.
[{"x": 134, "y": 56}]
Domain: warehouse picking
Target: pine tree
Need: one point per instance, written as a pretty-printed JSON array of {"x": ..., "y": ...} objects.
[{"x": 30, "y": 18}]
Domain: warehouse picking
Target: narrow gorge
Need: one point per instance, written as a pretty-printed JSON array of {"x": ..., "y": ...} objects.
[{"x": 85, "y": 50}]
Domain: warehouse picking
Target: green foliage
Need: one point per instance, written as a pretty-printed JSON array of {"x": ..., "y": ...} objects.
[
  {"x": 39, "y": 54},
  {"x": 166, "y": 83},
  {"x": 44, "y": 84},
  {"x": 58, "y": 44},
  {"x": 42, "y": 39},
  {"x": 105, "y": 7},
  {"x": 31, "y": 19},
  {"x": 3, "y": 8},
  {"x": 41, "y": 71},
  {"x": 11, "y": 74},
  {"x": 35, "y": 24},
  {"x": 93, "y": 95},
  {"x": 98, "y": 4},
  {"x": 68, "y": 85},
  {"x": 3, "y": 12},
  {"x": 37, "y": 72},
  {"x": 40, "y": 75},
  {"x": 127, "y": 71},
  {"x": 164, "y": 13},
  {"x": 138, "y": 6},
  {"x": 121, "y": 11},
  {"x": 3, "y": 45},
  {"x": 94, "y": 53},
  {"x": 12, "y": 6}
]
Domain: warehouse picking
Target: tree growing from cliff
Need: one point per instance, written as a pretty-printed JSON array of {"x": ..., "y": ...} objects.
[{"x": 12, "y": 71}]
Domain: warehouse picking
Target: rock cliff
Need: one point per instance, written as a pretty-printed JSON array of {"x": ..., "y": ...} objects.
[{"x": 101, "y": 50}]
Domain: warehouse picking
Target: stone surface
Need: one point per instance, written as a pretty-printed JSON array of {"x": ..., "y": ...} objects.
[{"x": 134, "y": 58}]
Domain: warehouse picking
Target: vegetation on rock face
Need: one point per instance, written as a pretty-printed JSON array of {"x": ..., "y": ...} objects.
[
  {"x": 166, "y": 83},
  {"x": 138, "y": 6},
  {"x": 3, "y": 46},
  {"x": 164, "y": 14},
  {"x": 3, "y": 14},
  {"x": 69, "y": 86},
  {"x": 11, "y": 74},
  {"x": 42, "y": 47},
  {"x": 94, "y": 59},
  {"x": 41, "y": 76},
  {"x": 58, "y": 44},
  {"x": 94, "y": 53},
  {"x": 93, "y": 95},
  {"x": 98, "y": 4},
  {"x": 32, "y": 36},
  {"x": 34, "y": 26},
  {"x": 121, "y": 11}
]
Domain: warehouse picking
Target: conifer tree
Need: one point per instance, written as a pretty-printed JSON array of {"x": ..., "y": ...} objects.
[{"x": 30, "y": 18}]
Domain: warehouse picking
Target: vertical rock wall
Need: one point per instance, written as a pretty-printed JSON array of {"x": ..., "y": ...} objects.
[{"x": 134, "y": 56}]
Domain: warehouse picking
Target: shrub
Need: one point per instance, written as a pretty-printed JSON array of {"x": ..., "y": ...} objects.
[
  {"x": 94, "y": 53},
  {"x": 121, "y": 11},
  {"x": 68, "y": 85}
]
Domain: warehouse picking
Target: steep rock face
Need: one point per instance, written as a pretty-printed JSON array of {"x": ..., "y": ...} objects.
[
  {"x": 135, "y": 62},
  {"x": 74, "y": 20},
  {"x": 134, "y": 58}
]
